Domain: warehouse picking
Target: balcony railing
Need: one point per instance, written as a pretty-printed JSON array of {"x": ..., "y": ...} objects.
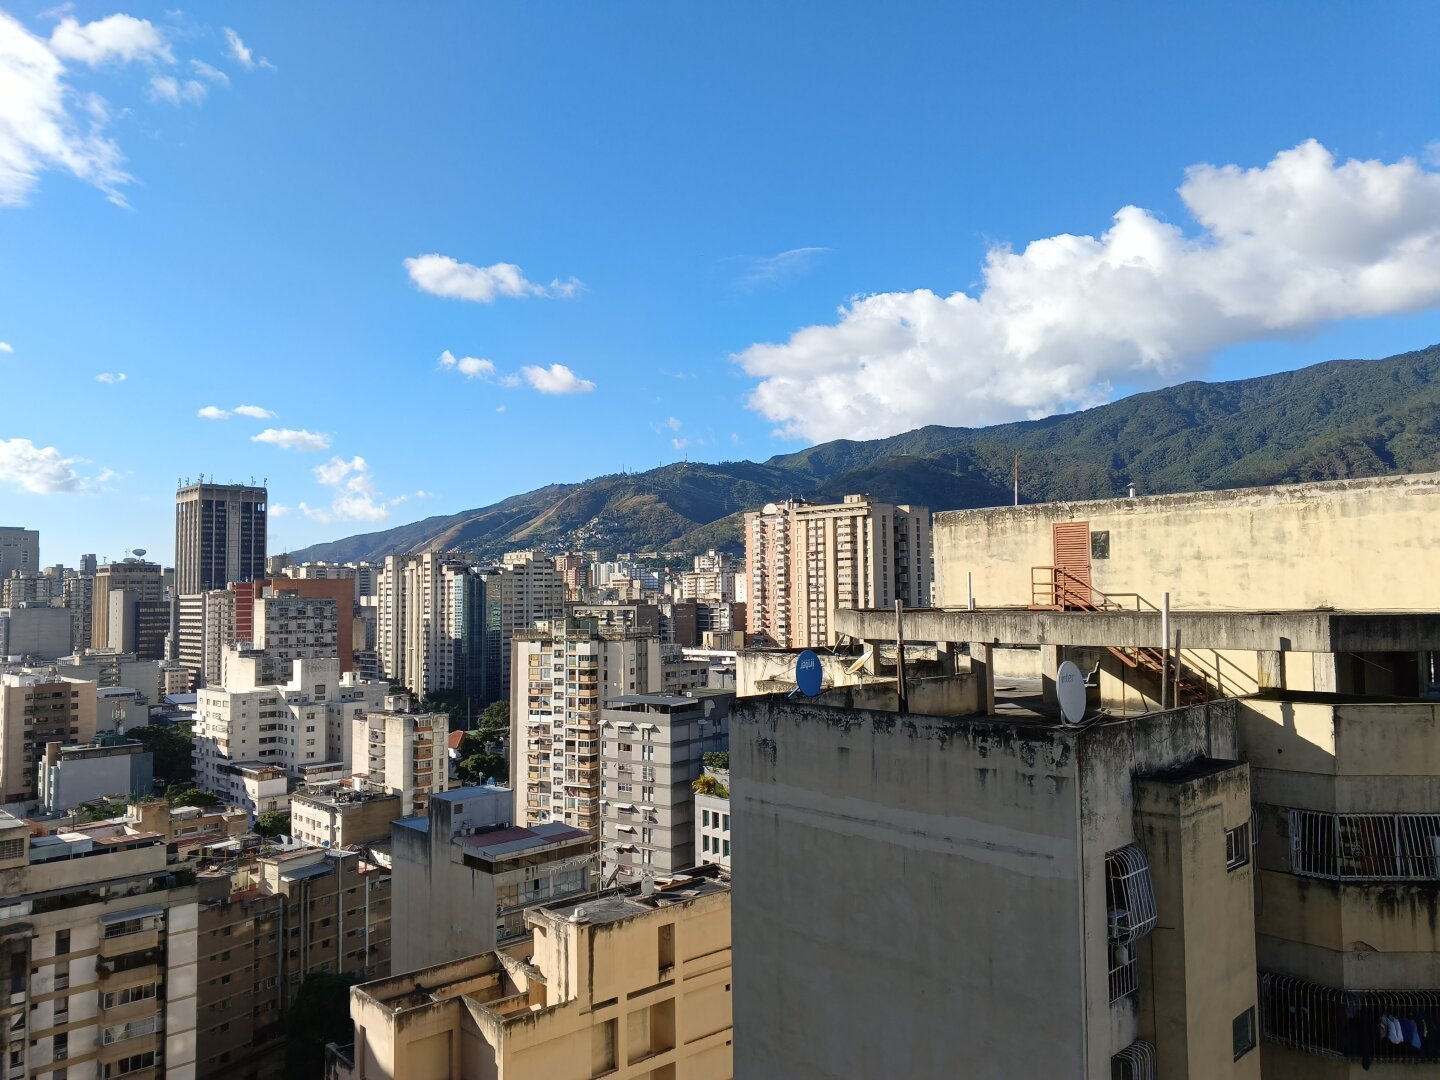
[
  {"x": 1365, "y": 847},
  {"x": 1331, "y": 1022}
]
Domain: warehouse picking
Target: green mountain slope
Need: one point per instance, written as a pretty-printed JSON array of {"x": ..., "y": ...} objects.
[{"x": 1334, "y": 420}]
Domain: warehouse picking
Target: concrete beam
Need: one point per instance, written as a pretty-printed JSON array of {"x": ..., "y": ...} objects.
[{"x": 1260, "y": 631}]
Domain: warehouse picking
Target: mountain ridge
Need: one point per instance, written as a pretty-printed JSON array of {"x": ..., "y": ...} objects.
[{"x": 1331, "y": 420}]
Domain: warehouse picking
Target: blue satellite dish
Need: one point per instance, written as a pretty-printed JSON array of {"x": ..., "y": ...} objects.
[{"x": 807, "y": 673}]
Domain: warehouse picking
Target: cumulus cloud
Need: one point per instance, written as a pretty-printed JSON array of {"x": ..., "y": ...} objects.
[
  {"x": 293, "y": 439},
  {"x": 441, "y": 275},
  {"x": 110, "y": 377},
  {"x": 37, "y": 129},
  {"x": 168, "y": 89},
  {"x": 355, "y": 497},
  {"x": 1281, "y": 250},
  {"x": 673, "y": 424},
  {"x": 472, "y": 367},
  {"x": 39, "y": 470},
  {"x": 556, "y": 379},
  {"x": 213, "y": 412},
  {"x": 255, "y": 412},
  {"x": 6, "y": 347},
  {"x": 121, "y": 38}
]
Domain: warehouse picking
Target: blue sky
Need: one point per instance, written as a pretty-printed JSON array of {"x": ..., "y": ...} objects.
[{"x": 657, "y": 197}]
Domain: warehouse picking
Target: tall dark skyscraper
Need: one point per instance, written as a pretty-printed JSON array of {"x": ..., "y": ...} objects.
[{"x": 219, "y": 536}]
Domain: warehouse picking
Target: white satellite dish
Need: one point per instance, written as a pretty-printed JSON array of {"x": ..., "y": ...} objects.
[{"x": 1070, "y": 688}]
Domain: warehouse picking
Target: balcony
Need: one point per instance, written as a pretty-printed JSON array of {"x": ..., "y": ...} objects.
[{"x": 1332, "y": 1022}]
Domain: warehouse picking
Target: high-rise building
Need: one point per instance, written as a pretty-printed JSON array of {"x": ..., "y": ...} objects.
[
  {"x": 403, "y": 753},
  {"x": 220, "y": 533},
  {"x": 207, "y": 629},
  {"x": 36, "y": 710},
  {"x": 805, "y": 561},
  {"x": 33, "y": 632},
  {"x": 297, "y": 726},
  {"x": 652, "y": 748},
  {"x": 134, "y": 575},
  {"x": 19, "y": 550},
  {"x": 564, "y": 672},
  {"x": 98, "y": 941},
  {"x": 531, "y": 591}
]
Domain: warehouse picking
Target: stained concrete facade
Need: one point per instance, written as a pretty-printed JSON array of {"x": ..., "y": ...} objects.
[{"x": 927, "y": 896}]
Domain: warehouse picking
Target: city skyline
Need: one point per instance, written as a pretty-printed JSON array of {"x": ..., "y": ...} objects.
[{"x": 711, "y": 227}]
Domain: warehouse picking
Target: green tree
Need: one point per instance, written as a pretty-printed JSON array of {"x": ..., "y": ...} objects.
[
  {"x": 172, "y": 748},
  {"x": 186, "y": 794},
  {"x": 319, "y": 1015},
  {"x": 482, "y": 766},
  {"x": 495, "y": 718},
  {"x": 718, "y": 760},
  {"x": 273, "y": 823}
]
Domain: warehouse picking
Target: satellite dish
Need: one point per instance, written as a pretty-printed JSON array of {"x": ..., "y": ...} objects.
[
  {"x": 807, "y": 673},
  {"x": 1070, "y": 688},
  {"x": 860, "y": 662}
]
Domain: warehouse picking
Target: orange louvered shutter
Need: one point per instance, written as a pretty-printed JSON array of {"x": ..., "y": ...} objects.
[{"x": 1072, "y": 564}]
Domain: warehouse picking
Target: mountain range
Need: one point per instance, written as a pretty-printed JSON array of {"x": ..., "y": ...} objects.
[{"x": 1339, "y": 419}]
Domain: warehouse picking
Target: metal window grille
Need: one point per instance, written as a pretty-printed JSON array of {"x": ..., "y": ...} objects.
[
  {"x": 1373, "y": 847},
  {"x": 1129, "y": 894},
  {"x": 1135, "y": 1062},
  {"x": 1346, "y": 1024},
  {"x": 1130, "y": 913}
]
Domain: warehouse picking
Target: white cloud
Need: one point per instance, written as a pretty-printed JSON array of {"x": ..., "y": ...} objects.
[
  {"x": 255, "y": 412},
  {"x": 38, "y": 470},
  {"x": 556, "y": 379},
  {"x": 355, "y": 496},
  {"x": 37, "y": 130},
  {"x": 6, "y": 347},
  {"x": 215, "y": 75},
  {"x": 115, "y": 37},
  {"x": 168, "y": 89},
  {"x": 1282, "y": 250},
  {"x": 441, "y": 275},
  {"x": 472, "y": 367},
  {"x": 673, "y": 424},
  {"x": 275, "y": 511},
  {"x": 110, "y": 377},
  {"x": 293, "y": 439},
  {"x": 767, "y": 269},
  {"x": 212, "y": 412},
  {"x": 679, "y": 444},
  {"x": 239, "y": 51}
]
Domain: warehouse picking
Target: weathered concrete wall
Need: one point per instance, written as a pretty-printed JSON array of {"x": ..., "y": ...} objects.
[
  {"x": 902, "y": 884},
  {"x": 1340, "y": 544},
  {"x": 950, "y": 695},
  {"x": 1110, "y": 754},
  {"x": 1202, "y": 953}
]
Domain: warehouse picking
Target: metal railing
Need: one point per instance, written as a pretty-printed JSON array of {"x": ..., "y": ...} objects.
[
  {"x": 1351, "y": 1024},
  {"x": 1365, "y": 847}
]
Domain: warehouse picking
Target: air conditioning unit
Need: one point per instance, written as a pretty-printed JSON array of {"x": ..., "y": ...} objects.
[{"x": 1119, "y": 924}]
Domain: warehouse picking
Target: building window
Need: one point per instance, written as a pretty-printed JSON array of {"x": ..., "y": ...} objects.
[
  {"x": 62, "y": 942},
  {"x": 1242, "y": 1032},
  {"x": 1339, "y": 1023},
  {"x": 1237, "y": 847}
]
